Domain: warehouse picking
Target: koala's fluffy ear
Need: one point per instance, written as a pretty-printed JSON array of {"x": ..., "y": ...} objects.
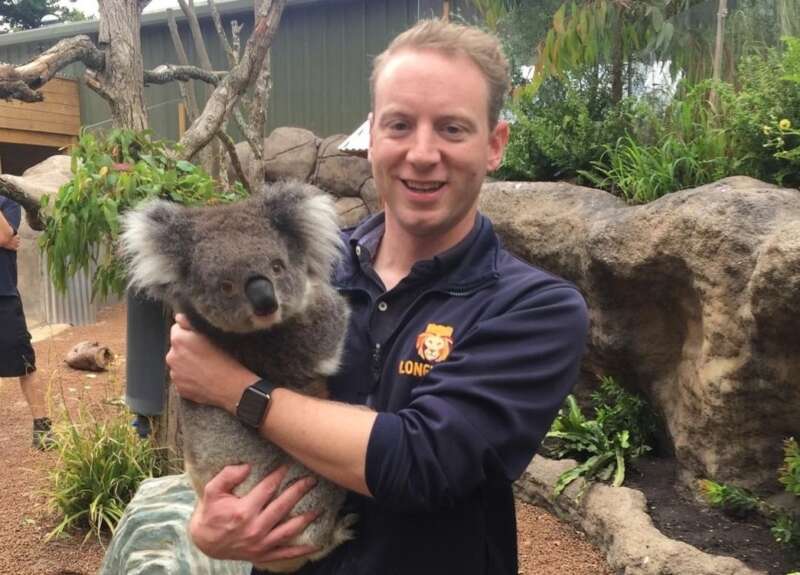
[
  {"x": 152, "y": 246},
  {"x": 309, "y": 215}
]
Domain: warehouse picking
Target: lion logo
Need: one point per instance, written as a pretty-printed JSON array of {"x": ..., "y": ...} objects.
[{"x": 435, "y": 343}]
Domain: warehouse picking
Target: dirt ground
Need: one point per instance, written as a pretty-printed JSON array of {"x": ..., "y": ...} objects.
[{"x": 546, "y": 546}]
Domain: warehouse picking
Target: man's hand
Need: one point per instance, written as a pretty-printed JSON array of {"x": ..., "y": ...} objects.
[
  {"x": 203, "y": 373},
  {"x": 250, "y": 528},
  {"x": 12, "y": 243}
]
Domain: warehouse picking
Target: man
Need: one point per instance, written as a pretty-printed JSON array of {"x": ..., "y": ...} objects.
[
  {"x": 463, "y": 353},
  {"x": 17, "y": 358}
]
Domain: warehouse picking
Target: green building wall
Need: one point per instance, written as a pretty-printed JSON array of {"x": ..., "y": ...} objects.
[{"x": 321, "y": 59}]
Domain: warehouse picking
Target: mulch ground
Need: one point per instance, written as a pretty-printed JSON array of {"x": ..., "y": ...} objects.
[
  {"x": 678, "y": 516},
  {"x": 546, "y": 545}
]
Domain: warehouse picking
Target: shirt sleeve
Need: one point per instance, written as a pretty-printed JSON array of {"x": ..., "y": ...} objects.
[{"x": 480, "y": 416}]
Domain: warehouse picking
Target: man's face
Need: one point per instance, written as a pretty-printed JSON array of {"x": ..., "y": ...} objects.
[{"x": 431, "y": 145}]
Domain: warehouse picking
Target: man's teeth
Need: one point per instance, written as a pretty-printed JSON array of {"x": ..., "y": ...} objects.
[{"x": 423, "y": 186}]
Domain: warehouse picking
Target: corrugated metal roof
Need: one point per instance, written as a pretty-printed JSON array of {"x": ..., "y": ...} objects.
[
  {"x": 358, "y": 141},
  {"x": 68, "y": 29}
]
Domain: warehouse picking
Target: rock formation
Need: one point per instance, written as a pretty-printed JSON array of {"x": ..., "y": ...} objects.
[{"x": 694, "y": 300}]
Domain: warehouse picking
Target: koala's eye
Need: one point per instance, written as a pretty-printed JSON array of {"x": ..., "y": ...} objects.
[
  {"x": 226, "y": 287},
  {"x": 278, "y": 267}
]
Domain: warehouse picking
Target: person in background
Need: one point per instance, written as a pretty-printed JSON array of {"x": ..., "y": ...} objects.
[
  {"x": 462, "y": 352},
  {"x": 17, "y": 358}
]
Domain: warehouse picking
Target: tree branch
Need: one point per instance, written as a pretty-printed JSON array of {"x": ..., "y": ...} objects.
[
  {"x": 171, "y": 72},
  {"x": 41, "y": 70},
  {"x": 236, "y": 82},
  {"x": 29, "y": 203},
  {"x": 232, "y": 56},
  {"x": 230, "y": 147}
]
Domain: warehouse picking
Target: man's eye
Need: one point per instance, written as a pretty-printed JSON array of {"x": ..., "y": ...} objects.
[
  {"x": 398, "y": 126},
  {"x": 453, "y": 130}
]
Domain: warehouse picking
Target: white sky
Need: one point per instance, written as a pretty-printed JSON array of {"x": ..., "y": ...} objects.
[{"x": 89, "y": 7}]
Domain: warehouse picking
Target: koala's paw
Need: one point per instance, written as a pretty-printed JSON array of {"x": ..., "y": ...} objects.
[{"x": 343, "y": 532}]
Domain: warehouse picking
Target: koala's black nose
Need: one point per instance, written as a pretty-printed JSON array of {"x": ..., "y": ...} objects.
[{"x": 261, "y": 294}]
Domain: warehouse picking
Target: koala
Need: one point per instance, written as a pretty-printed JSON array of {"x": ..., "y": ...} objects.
[{"x": 253, "y": 276}]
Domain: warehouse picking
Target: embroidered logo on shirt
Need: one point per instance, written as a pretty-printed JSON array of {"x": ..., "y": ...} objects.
[
  {"x": 435, "y": 342},
  {"x": 433, "y": 345}
]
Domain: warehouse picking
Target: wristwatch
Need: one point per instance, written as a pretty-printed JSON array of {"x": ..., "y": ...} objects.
[{"x": 254, "y": 404}]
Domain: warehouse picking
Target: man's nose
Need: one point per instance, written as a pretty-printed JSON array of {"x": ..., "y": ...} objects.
[{"x": 424, "y": 149}]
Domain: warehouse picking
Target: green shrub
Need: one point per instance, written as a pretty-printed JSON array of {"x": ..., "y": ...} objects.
[
  {"x": 110, "y": 175},
  {"x": 559, "y": 130},
  {"x": 620, "y": 433},
  {"x": 785, "y": 526},
  {"x": 789, "y": 473},
  {"x": 733, "y": 500},
  {"x": 101, "y": 462}
]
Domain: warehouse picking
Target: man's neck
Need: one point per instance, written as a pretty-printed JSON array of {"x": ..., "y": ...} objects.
[{"x": 399, "y": 251}]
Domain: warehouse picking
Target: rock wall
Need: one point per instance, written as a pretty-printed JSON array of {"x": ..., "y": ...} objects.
[
  {"x": 694, "y": 299},
  {"x": 295, "y": 153}
]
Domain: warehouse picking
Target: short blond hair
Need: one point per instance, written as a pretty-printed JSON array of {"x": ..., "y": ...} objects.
[{"x": 454, "y": 39}]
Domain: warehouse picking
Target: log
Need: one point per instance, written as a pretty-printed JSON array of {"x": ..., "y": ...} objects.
[{"x": 89, "y": 356}]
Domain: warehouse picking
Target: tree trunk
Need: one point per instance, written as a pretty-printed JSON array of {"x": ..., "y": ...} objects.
[
  {"x": 617, "y": 60},
  {"x": 722, "y": 12},
  {"x": 123, "y": 76}
]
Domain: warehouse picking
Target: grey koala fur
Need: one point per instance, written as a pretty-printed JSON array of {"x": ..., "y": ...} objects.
[{"x": 200, "y": 261}]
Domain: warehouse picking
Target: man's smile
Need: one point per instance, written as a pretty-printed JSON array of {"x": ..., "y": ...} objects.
[{"x": 422, "y": 187}]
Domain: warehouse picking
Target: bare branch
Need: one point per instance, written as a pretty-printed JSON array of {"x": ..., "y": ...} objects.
[
  {"x": 97, "y": 86},
  {"x": 232, "y": 56},
  {"x": 170, "y": 73},
  {"x": 245, "y": 128},
  {"x": 187, "y": 93},
  {"x": 197, "y": 34},
  {"x": 28, "y": 202},
  {"x": 236, "y": 82},
  {"x": 41, "y": 70},
  {"x": 230, "y": 147}
]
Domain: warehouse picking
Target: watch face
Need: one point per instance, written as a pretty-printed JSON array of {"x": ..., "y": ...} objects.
[{"x": 252, "y": 407}]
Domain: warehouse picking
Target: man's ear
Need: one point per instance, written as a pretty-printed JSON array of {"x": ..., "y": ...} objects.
[
  {"x": 497, "y": 144},
  {"x": 153, "y": 245}
]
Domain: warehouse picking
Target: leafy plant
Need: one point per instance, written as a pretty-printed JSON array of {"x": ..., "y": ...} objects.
[
  {"x": 101, "y": 463},
  {"x": 619, "y": 434},
  {"x": 111, "y": 175},
  {"x": 789, "y": 473},
  {"x": 785, "y": 526},
  {"x": 731, "y": 499},
  {"x": 786, "y": 530}
]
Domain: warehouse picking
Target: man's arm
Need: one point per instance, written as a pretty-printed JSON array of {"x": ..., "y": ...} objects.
[
  {"x": 477, "y": 417},
  {"x": 8, "y": 236},
  {"x": 333, "y": 442}
]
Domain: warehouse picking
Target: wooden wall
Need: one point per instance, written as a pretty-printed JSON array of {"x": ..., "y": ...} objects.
[{"x": 55, "y": 122}]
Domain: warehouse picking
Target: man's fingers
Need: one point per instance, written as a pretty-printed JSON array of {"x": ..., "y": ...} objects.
[
  {"x": 183, "y": 321},
  {"x": 226, "y": 480},
  {"x": 286, "y": 553},
  {"x": 285, "y": 502},
  {"x": 288, "y": 530},
  {"x": 266, "y": 489}
]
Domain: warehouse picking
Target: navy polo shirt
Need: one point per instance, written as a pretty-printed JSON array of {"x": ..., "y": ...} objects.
[
  {"x": 8, "y": 258},
  {"x": 467, "y": 361}
]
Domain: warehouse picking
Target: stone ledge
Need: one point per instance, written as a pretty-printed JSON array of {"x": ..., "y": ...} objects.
[{"x": 616, "y": 520}]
